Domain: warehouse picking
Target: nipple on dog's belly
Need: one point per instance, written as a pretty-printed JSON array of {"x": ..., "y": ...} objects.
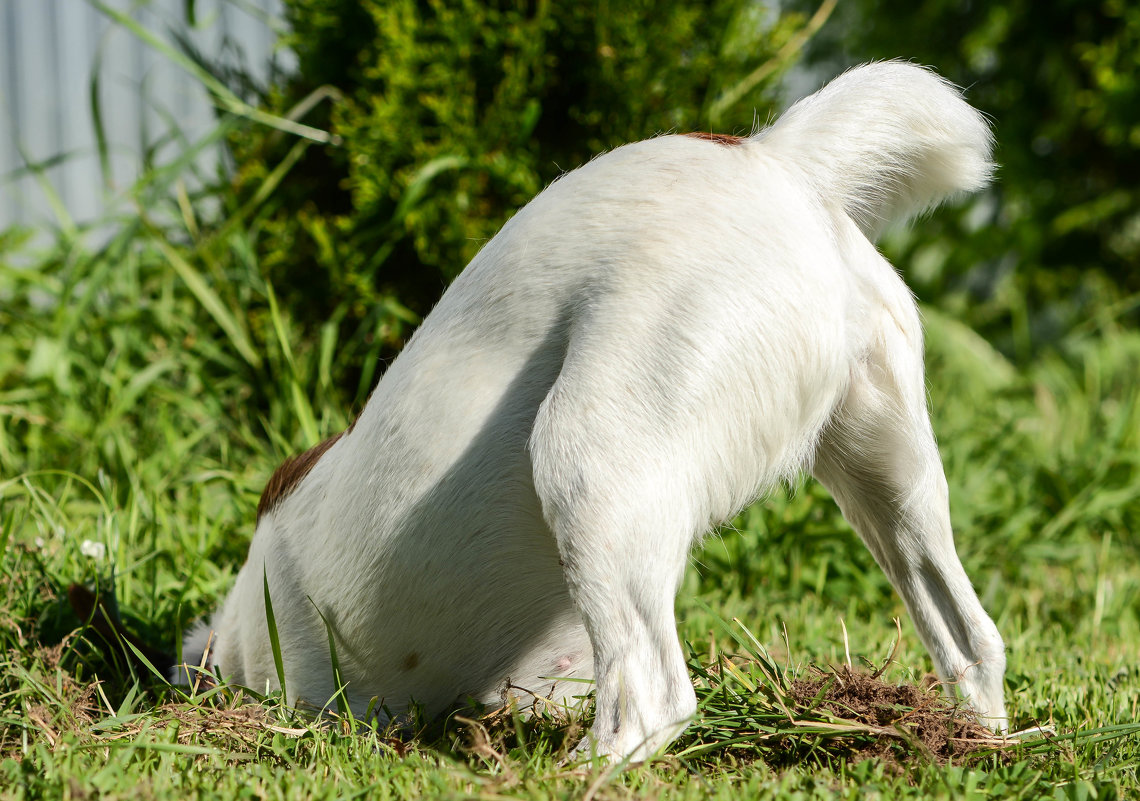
[{"x": 410, "y": 661}]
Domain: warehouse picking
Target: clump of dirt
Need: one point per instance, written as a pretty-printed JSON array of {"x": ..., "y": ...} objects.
[{"x": 885, "y": 716}]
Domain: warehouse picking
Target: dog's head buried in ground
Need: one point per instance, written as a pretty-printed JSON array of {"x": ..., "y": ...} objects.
[{"x": 652, "y": 342}]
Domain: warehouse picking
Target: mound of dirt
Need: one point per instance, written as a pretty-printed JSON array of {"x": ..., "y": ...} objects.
[{"x": 923, "y": 719}]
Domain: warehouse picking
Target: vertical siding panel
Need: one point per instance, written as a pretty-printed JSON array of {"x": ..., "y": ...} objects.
[
  {"x": 77, "y": 36},
  {"x": 48, "y": 49},
  {"x": 35, "y": 134},
  {"x": 9, "y": 158},
  {"x": 53, "y": 78}
]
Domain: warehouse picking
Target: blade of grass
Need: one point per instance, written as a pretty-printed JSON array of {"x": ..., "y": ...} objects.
[
  {"x": 338, "y": 682},
  {"x": 301, "y": 405},
  {"x": 274, "y": 640},
  {"x": 59, "y": 208},
  {"x": 209, "y": 299},
  {"x": 95, "y": 100}
]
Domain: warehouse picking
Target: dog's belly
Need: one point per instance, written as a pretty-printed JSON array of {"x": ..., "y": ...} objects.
[
  {"x": 487, "y": 665},
  {"x": 466, "y": 600}
]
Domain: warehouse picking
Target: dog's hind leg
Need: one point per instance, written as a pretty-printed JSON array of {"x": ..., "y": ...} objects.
[
  {"x": 879, "y": 460},
  {"x": 624, "y": 547}
]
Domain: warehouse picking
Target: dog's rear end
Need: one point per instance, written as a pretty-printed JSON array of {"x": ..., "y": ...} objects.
[{"x": 655, "y": 340}]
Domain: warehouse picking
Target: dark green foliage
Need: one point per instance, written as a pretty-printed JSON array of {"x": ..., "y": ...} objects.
[
  {"x": 452, "y": 115},
  {"x": 1060, "y": 234}
]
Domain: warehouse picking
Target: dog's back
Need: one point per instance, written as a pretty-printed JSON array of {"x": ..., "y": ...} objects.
[{"x": 654, "y": 340}]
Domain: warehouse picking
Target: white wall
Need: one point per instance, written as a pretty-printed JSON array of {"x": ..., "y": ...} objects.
[{"x": 50, "y": 53}]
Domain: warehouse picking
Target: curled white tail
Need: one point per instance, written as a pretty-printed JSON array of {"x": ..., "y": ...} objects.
[{"x": 886, "y": 141}]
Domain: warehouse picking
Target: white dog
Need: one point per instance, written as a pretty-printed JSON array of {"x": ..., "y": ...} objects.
[{"x": 653, "y": 342}]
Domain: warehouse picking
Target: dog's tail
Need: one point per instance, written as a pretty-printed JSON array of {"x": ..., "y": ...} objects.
[{"x": 886, "y": 141}]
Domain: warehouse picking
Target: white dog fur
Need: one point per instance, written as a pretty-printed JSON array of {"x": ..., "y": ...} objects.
[{"x": 653, "y": 342}]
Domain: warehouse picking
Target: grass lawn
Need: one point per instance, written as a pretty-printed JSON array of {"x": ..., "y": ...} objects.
[{"x": 149, "y": 387}]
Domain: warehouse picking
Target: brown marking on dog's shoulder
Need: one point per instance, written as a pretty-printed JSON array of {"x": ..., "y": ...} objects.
[
  {"x": 286, "y": 477},
  {"x": 721, "y": 139}
]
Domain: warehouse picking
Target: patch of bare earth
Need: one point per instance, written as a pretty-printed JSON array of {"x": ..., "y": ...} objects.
[{"x": 893, "y": 722}]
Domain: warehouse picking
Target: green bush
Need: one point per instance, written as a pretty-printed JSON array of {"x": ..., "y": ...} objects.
[{"x": 451, "y": 115}]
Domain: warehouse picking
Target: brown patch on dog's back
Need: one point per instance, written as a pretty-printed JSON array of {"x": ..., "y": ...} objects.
[
  {"x": 286, "y": 477},
  {"x": 721, "y": 139}
]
